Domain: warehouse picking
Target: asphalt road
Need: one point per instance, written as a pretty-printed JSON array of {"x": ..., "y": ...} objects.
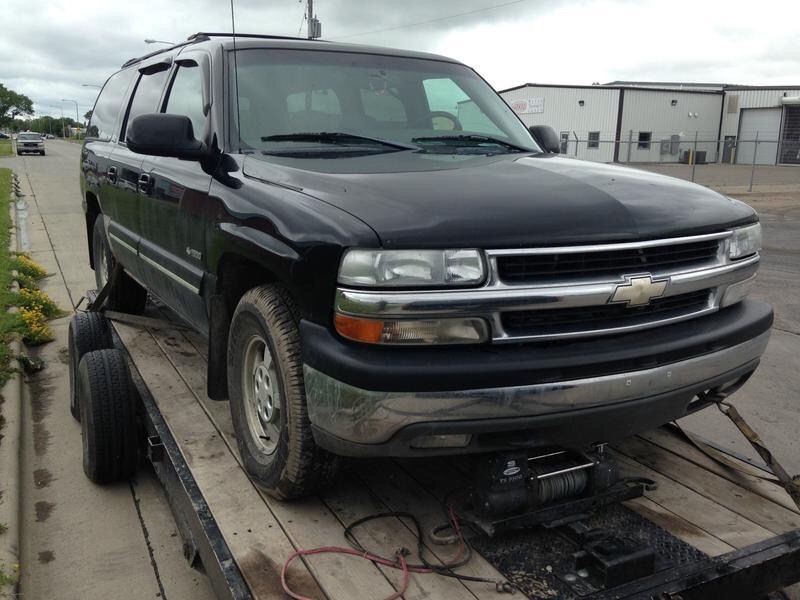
[
  {"x": 770, "y": 401},
  {"x": 84, "y": 541},
  {"x": 81, "y": 541}
]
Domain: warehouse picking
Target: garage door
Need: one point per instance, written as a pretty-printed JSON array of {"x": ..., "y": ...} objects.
[{"x": 767, "y": 123}]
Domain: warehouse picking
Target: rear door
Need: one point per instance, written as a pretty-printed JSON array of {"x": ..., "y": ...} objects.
[
  {"x": 125, "y": 229},
  {"x": 175, "y": 201}
]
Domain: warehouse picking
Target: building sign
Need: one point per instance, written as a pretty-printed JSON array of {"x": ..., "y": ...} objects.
[{"x": 528, "y": 106}]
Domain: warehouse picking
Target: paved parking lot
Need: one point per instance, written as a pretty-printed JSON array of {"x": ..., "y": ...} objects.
[{"x": 84, "y": 541}]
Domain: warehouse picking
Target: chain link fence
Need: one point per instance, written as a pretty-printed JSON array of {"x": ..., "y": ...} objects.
[{"x": 690, "y": 153}]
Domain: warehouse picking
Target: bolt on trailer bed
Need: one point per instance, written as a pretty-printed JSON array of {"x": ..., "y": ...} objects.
[{"x": 714, "y": 531}]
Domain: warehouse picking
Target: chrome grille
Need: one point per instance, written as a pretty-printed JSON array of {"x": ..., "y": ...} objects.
[
  {"x": 576, "y": 265},
  {"x": 539, "y": 294},
  {"x": 609, "y": 316}
]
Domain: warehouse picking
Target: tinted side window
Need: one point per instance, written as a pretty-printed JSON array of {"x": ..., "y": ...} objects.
[
  {"x": 106, "y": 108},
  {"x": 186, "y": 97},
  {"x": 146, "y": 96}
]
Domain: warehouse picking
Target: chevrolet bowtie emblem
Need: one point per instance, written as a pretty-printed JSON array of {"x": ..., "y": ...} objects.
[{"x": 639, "y": 290}]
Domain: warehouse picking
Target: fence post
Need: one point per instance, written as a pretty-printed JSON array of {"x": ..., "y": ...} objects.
[
  {"x": 694, "y": 156},
  {"x": 753, "y": 168},
  {"x": 630, "y": 141}
]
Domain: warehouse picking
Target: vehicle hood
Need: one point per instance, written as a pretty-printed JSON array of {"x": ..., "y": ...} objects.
[{"x": 415, "y": 199}]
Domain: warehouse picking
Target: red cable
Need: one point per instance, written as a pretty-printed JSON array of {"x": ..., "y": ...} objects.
[{"x": 400, "y": 562}]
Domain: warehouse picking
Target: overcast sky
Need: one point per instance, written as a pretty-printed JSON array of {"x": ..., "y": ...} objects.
[{"x": 49, "y": 48}]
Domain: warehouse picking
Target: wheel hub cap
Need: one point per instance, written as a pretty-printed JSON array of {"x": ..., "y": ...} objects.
[{"x": 261, "y": 395}]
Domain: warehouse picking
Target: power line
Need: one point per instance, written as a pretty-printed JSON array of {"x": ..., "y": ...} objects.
[
  {"x": 302, "y": 19},
  {"x": 437, "y": 19}
]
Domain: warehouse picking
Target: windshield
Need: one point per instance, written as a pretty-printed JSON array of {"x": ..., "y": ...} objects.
[
  {"x": 29, "y": 136},
  {"x": 406, "y": 101}
]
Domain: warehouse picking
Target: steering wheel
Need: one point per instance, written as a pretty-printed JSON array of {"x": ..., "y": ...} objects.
[{"x": 441, "y": 114}]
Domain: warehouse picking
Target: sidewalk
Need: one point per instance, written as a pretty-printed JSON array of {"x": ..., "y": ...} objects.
[{"x": 79, "y": 540}]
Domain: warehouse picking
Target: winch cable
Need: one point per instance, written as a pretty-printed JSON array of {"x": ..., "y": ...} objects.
[{"x": 399, "y": 562}]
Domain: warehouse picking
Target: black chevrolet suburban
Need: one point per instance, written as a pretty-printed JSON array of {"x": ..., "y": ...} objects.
[{"x": 387, "y": 262}]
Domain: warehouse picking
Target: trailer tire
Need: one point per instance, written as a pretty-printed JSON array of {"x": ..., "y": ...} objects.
[
  {"x": 126, "y": 295},
  {"x": 108, "y": 416},
  {"x": 273, "y": 433},
  {"x": 88, "y": 331}
]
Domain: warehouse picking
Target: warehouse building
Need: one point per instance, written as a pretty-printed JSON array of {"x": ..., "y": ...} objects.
[
  {"x": 635, "y": 122},
  {"x": 772, "y": 114}
]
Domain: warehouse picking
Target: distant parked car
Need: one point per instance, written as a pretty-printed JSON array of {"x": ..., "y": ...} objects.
[
  {"x": 4, "y": 136},
  {"x": 30, "y": 141},
  {"x": 49, "y": 136}
]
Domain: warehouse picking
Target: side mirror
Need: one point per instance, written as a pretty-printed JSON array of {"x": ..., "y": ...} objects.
[
  {"x": 159, "y": 134},
  {"x": 547, "y": 138}
]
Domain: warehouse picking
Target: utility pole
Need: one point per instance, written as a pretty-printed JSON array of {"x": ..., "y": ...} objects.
[{"x": 314, "y": 26}]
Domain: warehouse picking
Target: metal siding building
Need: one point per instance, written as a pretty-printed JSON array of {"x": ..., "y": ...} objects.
[
  {"x": 563, "y": 111},
  {"x": 672, "y": 119},
  {"x": 772, "y": 113},
  {"x": 658, "y": 121}
]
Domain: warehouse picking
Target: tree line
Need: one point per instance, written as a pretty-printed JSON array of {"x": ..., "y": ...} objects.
[{"x": 16, "y": 114}]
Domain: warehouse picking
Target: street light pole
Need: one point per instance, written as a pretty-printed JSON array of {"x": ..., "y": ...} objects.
[{"x": 77, "y": 118}]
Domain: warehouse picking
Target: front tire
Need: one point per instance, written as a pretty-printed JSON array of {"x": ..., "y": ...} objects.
[
  {"x": 127, "y": 295},
  {"x": 268, "y": 400}
]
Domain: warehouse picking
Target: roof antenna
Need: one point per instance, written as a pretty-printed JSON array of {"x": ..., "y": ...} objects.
[{"x": 236, "y": 79}]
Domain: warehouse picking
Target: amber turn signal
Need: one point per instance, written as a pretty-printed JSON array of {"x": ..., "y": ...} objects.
[
  {"x": 360, "y": 330},
  {"x": 412, "y": 332}
]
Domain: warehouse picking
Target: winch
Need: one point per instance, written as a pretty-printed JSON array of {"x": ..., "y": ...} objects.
[{"x": 550, "y": 487}]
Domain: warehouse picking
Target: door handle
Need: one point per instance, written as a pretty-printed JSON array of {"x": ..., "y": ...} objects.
[
  {"x": 144, "y": 183},
  {"x": 111, "y": 173}
]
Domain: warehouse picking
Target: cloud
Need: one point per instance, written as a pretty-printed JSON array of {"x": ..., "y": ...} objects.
[{"x": 49, "y": 49}]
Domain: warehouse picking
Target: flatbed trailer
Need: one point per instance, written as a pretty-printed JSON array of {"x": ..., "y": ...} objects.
[{"x": 732, "y": 532}]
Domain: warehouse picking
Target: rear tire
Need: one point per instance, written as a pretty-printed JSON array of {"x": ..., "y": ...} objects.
[
  {"x": 127, "y": 295},
  {"x": 108, "y": 416},
  {"x": 272, "y": 427},
  {"x": 88, "y": 331}
]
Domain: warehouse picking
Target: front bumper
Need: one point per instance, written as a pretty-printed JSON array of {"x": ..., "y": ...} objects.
[
  {"x": 22, "y": 148},
  {"x": 599, "y": 400}
]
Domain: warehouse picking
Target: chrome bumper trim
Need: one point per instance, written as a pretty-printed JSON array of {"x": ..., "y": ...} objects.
[{"x": 369, "y": 417}]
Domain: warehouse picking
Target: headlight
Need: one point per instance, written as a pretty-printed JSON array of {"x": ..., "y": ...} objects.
[
  {"x": 745, "y": 241},
  {"x": 411, "y": 268}
]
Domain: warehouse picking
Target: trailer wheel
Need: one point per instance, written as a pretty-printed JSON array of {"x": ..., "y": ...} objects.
[
  {"x": 88, "y": 331},
  {"x": 108, "y": 426},
  {"x": 268, "y": 400},
  {"x": 127, "y": 295}
]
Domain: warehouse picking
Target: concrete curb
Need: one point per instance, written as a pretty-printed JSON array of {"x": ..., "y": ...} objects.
[{"x": 10, "y": 456}]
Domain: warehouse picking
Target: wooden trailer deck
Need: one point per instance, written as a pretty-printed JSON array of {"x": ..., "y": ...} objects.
[{"x": 711, "y": 507}]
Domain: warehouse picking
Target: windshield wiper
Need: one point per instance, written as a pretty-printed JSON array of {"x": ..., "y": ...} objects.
[
  {"x": 335, "y": 137},
  {"x": 478, "y": 139}
]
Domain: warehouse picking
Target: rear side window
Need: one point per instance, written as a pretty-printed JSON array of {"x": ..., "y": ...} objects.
[
  {"x": 186, "y": 97},
  {"x": 106, "y": 109},
  {"x": 146, "y": 96}
]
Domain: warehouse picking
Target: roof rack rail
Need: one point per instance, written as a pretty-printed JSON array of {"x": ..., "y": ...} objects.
[
  {"x": 192, "y": 39},
  {"x": 204, "y": 36},
  {"x": 208, "y": 35}
]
